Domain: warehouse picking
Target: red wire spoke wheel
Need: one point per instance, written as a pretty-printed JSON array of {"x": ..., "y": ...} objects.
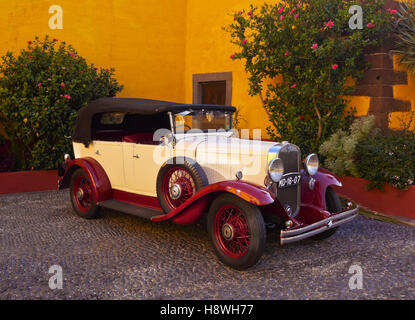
[
  {"x": 178, "y": 186},
  {"x": 232, "y": 231},
  {"x": 178, "y": 181},
  {"x": 236, "y": 231},
  {"x": 82, "y": 193},
  {"x": 82, "y": 196}
]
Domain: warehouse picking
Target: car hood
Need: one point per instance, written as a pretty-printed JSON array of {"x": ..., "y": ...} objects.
[
  {"x": 194, "y": 146},
  {"x": 222, "y": 156}
]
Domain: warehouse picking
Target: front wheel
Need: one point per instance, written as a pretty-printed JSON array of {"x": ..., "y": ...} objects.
[
  {"x": 236, "y": 231},
  {"x": 333, "y": 205}
]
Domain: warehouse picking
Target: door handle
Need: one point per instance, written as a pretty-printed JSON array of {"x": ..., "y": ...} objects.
[
  {"x": 97, "y": 153},
  {"x": 136, "y": 156}
]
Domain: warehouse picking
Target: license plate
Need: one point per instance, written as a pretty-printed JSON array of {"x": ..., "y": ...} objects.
[{"x": 289, "y": 180}]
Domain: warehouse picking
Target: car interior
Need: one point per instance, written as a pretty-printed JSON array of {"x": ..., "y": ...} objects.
[{"x": 128, "y": 127}]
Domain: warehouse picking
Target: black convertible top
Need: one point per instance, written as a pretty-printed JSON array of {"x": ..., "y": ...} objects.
[{"x": 83, "y": 124}]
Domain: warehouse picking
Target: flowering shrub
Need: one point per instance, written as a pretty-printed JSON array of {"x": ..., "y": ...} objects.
[
  {"x": 298, "y": 55},
  {"x": 339, "y": 150},
  {"x": 41, "y": 89},
  {"x": 387, "y": 158},
  {"x": 369, "y": 153}
]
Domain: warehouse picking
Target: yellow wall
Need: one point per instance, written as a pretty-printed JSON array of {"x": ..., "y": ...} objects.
[
  {"x": 208, "y": 49},
  {"x": 403, "y": 92},
  {"x": 143, "y": 40},
  {"x": 155, "y": 46}
]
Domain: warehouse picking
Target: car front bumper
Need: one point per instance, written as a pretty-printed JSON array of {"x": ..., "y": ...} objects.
[{"x": 288, "y": 236}]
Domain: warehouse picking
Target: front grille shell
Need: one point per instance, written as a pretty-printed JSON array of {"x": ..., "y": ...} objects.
[{"x": 291, "y": 156}]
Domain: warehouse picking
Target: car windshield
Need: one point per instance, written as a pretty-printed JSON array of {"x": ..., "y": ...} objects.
[{"x": 203, "y": 120}]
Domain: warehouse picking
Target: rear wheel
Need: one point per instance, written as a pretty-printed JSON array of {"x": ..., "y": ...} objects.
[
  {"x": 333, "y": 205},
  {"x": 236, "y": 231},
  {"x": 82, "y": 197}
]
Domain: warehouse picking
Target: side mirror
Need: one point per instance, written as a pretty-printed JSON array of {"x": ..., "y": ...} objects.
[{"x": 169, "y": 139}]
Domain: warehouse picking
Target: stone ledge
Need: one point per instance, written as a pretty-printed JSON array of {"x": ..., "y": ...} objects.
[
  {"x": 388, "y": 104},
  {"x": 379, "y": 60},
  {"x": 383, "y": 76},
  {"x": 373, "y": 90}
]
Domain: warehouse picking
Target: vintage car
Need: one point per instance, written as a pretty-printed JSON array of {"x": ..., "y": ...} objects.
[{"x": 184, "y": 163}]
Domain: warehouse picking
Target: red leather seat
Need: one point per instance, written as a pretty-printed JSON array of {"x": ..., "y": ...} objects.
[
  {"x": 142, "y": 138},
  {"x": 109, "y": 135}
]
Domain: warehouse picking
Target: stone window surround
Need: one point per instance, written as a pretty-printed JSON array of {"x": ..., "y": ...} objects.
[{"x": 200, "y": 78}]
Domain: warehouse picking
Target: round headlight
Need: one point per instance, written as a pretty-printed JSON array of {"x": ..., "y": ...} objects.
[
  {"x": 311, "y": 164},
  {"x": 275, "y": 169}
]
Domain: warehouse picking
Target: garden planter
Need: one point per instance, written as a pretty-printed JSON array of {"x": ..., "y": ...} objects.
[
  {"x": 390, "y": 201},
  {"x": 27, "y": 181}
]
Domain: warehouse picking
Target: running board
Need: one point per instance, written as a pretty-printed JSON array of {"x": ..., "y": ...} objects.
[{"x": 132, "y": 209}]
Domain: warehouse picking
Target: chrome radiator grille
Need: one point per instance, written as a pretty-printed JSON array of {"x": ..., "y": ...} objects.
[{"x": 290, "y": 196}]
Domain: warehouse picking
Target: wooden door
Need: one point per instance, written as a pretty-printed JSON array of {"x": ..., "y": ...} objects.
[{"x": 214, "y": 92}]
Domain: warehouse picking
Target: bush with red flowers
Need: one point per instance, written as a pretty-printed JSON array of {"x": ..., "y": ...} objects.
[
  {"x": 41, "y": 89},
  {"x": 298, "y": 55}
]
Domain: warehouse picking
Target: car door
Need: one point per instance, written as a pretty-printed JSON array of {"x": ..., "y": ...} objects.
[
  {"x": 106, "y": 146},
  {"x": 110, "y": 156},
  {"x": 142, "y": 163}
]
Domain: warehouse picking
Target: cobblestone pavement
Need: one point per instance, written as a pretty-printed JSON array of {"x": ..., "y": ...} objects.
[{"x": 124, "y": 257}]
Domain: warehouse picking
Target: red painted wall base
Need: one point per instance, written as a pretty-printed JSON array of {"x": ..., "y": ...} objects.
[
  {"x": 28, "y": 181},
  {"x": 391, "y": 201}
]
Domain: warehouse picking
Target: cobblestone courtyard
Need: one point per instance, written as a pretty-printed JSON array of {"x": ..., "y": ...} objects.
[{"x": 124, "y": 257}]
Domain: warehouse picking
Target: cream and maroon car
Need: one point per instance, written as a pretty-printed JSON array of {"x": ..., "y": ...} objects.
[{"x": 184, "y": 163}]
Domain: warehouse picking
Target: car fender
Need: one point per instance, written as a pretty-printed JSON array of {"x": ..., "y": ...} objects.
[
  {"x": 100, "y": 182},
  {"x": 193, "y": 209},
  {"x": 314, "y": 194}
]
